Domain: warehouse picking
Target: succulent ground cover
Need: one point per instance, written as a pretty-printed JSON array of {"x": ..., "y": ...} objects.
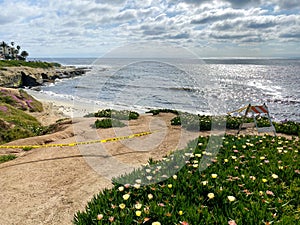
[
  {"x": 204, "y": 123},
  {"x": 252, "y": 180}
]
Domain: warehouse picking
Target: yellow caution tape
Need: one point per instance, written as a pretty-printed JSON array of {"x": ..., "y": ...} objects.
[
  {"x": 78, "y": 143},
  {"x": 239, "y": 110}
]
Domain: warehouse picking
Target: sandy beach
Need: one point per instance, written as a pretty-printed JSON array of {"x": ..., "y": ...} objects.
[{"x": 49, "y": 185}]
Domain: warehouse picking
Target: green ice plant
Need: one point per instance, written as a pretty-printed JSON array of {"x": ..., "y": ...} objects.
[{"x": 253, "y": 180}]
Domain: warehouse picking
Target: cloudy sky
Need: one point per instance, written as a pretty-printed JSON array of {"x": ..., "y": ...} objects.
[{"x": 208, "y": 28}]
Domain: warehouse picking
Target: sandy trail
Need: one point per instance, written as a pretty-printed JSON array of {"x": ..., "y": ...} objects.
[{"x": 49, "y": 185}]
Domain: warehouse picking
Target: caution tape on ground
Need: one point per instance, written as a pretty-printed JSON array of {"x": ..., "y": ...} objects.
[{"x": 77, "y": 143}]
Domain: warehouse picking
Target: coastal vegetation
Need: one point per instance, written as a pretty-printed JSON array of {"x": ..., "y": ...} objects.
[
  {"x": 5, "y": 158},
  {"x": 120, "y": 115},
  {"x": 252, "y": 180},
  {"x": 108, "y": 123},
  {"x": 15, "y": 120},
  {"x": 33, "y": 64}
]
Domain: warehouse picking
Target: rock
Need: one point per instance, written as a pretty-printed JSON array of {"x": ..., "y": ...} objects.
[{"x": 22, "y": 76}]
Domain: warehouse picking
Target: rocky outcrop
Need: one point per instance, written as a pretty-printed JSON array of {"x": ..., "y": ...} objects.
[{"x": 15, "y": 77}]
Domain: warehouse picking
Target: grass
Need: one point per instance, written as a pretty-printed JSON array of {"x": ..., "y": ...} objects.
[
  {"x": 252, "y": 180},
  {"x": 108, "y": 123},
  {"x": 14, "y": 63},
  {"x": 6, "y": 158}
]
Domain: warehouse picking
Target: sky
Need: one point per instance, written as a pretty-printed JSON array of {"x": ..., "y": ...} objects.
[{"x": 207, "y": 28}]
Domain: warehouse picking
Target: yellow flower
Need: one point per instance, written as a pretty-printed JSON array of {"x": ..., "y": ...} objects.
[
  {"x": 180, "y": 212},
  {"x": 275, "y": 176},
  {"x": 262, "y": 158},
  {"x": 195, "y": 165},
  {"x": 122, "y": 206},
  {"x": 174, "y": 177},
  {"x": 233, "y": 157},
  {"x": 280, "y": 167},
  {"x": 121, "y": 188},
  {"x": 156, "y": 223},
  {"x": 126, "y": 196},
  {"x": 231, "y": 198},
  {"x": 198, "y": 155},
  {"x": 150, "y": 196},
  {"x": 138, "y": 206},
  {"x": 261, "y": 193},
  {"x": 264, "y": 180},
  {"x": 138, "y": 181},
  {"x": 214, "y": 175},
  {"x": 226, "y": 160},
  {"x": 138, "y": 213},
  {"x": 170, "y": 185},
  {"x": 211, "y": 195}
]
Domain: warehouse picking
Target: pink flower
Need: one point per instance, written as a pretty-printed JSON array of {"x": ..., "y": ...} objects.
[
  {"x": 235, "y": 151},
  {"x": 184, "y": 223},
  {"x": 269, "y": 193},
  {"x": 111, "y": 219},
  {"x": 161, "y": 204},
  {"x": 232, "y": 222}
]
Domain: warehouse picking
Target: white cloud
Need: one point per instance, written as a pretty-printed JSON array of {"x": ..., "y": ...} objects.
[{"x": 91, "y": 27}]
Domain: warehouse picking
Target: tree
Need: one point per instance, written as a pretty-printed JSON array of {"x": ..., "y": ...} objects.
[
  {"x": 4, "y": 46},
  {"x": 24, "y": 54}
]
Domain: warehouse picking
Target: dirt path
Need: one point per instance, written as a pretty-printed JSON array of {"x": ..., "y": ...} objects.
[{"x": 49, "y": 185}]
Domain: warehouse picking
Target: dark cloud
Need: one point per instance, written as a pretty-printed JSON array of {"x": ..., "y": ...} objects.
[
  {"x": 227, "y": 36},
  {"x": 6, "y": 19},
  {"x": 287, "y": 4},
  {"x": 252, "y": 39},
  {"x": 213, "y": 17},
  {"x": 261, "y": 24},
  {"x": 243, "y": 3},
  {"x": 184, "y": 35},
  {"x": 112, "y": 2},
  {"x": 295, "y": 34}
]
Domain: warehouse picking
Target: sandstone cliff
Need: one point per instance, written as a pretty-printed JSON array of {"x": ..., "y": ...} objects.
[{"x": 15, "y": 77}]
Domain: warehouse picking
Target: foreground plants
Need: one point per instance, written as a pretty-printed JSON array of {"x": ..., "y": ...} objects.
[{"x": 252, "y": 180}]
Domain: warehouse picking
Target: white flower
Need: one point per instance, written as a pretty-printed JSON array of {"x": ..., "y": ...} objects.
[
  {"x": 138, "y": 206},
  {"x": 121, "y": 188},
  {"x": 138, "y": 181},
  {"x": 231, "y": 198},
  {"x": 204, "y": 183}
]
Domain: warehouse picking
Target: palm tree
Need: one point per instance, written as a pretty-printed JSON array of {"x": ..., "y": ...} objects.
[
  {"x": 24, "y": 54},
  {"x": 4, "y": 46}
]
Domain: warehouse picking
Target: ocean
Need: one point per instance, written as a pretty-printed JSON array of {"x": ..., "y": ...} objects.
[{"x": 202, "y": 86}]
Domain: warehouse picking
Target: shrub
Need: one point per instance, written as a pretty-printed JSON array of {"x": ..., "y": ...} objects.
[
  {"x": 5, "y": 158},
  {"x": 120, "y": 115},
  {"x": 157, "y": 111},
  {"x": 108, "y": 123}
]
